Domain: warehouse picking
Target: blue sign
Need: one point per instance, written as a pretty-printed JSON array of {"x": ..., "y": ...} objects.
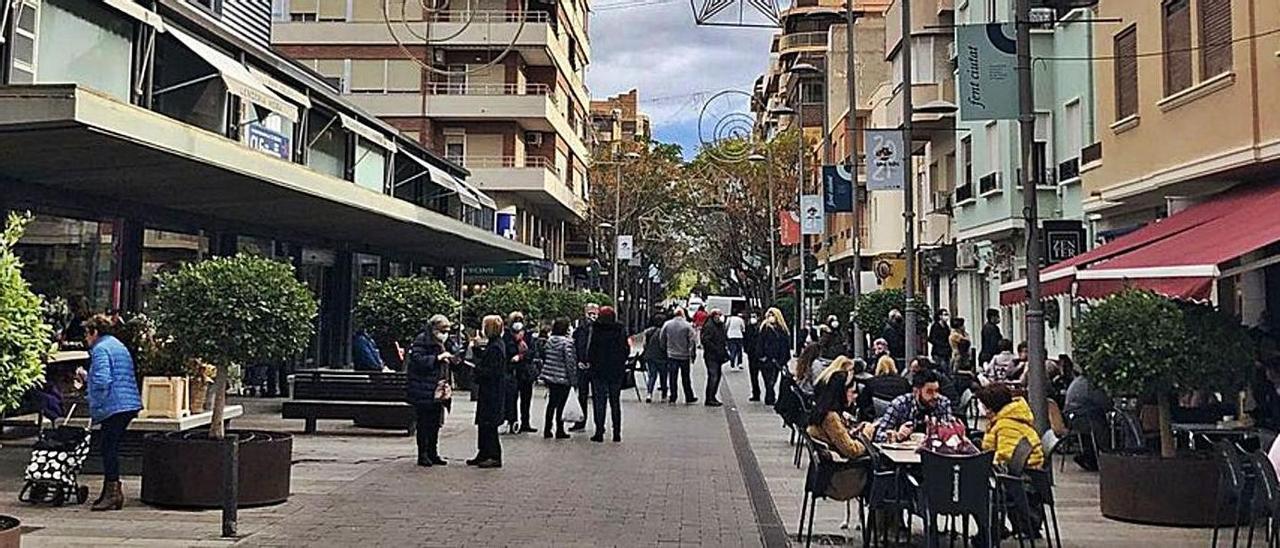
[
  {"x": 837, "y": 189},
  {"x": 270, "y": 142},
  {"x": 506, "y": 225}
]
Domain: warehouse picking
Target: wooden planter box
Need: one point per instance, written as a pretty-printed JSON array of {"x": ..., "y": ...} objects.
[{"x": 164, "y": 397}]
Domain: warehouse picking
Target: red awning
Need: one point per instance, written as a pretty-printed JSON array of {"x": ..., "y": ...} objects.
[{"x": 1177, "y": 256}]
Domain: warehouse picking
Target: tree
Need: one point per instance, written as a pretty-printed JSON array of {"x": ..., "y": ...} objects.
[
  {"x": 396, "y": 309},
  {"x": 839, "y": 306},
  {"x": 873, "y": 309},
  {"x": 504, "y": 299},
  {"x": 25, "y": 339},
  {"x": 241, "y": 310}
]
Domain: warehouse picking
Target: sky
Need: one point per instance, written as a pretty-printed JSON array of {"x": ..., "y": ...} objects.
[{"x": 655, "y": 47}]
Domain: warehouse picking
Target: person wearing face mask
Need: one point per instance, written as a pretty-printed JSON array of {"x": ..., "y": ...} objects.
[
  {"x": 736, "y": 330},
  {"x": 751, "y": 345},
  {"x": 940, "y": 339},
  {"x": 715, "y": 354},
  {"x": 832, "y": 340},
  {"x": 581, "y": 342},
  {"x": 559, "y": 373},
  {"x": 520, "y": 383},
  {"x": 428, "y": 368}
]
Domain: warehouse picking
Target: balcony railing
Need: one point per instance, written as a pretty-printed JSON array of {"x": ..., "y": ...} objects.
[
  {"x": 497, "y": 162},
  {"x": 1069, "y": 169},
  {"x": 478, "y": 88},
  {"x": 989, "y": 183},
  {"x": 489, "y": 16},
  {"x": 964, "y": 193},
  {"x": 802, "y": 40}
]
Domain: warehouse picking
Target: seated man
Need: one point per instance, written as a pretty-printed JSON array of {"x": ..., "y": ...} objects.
[
  {"x": 1086, "y": 412},
  {"x": 910, "y": 411}
]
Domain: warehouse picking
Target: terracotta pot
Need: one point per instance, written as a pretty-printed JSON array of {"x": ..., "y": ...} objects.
[
  {"x": 184, "y": 470},
  {"x": 1149, "y": 489},
  {"x": 10, "y": 532}
]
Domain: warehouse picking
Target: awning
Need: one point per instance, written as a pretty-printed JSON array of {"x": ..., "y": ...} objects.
[
  {"x": 1178, "y": 256},
  {"x": 136, "y": 11},
  {"x": 483, "y": 199},
  {"x": 239, "y": 80},
  {"x": 282, "y": 88},
  {"x": 359, "y": 128},
  {"x": 446, "y": 180}
]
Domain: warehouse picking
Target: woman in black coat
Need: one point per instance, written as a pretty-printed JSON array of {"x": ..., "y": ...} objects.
[
  {"x": 775, "y": 351},
  {"x": 490, "y": 381},
  {"x": 715, "y": 346},
  {"x": 428, "y": 365},
  {"x": 608, "y": 354}
]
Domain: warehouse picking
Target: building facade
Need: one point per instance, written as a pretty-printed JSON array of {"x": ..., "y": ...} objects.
[
  {"x": 618, "y": 119},
  {"x": 206, "y": 142},
  {"x": 496, "y": 88}
]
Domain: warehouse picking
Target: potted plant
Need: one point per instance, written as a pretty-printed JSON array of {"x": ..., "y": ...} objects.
[
  {"x": 873, "y": 311},
  {"x": 1139, "y": 344},
  {"x": 25, "y": 341},
  {"x": 394, "y": 310},
  {"x": 164, "y": 375},
  {"x": 227, "y": 311}
]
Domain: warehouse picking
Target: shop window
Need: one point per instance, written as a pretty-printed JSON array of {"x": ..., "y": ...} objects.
[
  {"x": 84, "y": 43},
  {"x": 328, "y": 145},
  {"x": 26, "y": 17},
  {"x": 70, "y": 262},
  {"x": 165, "y": 251},
  {"x": 371, "y": 165}
]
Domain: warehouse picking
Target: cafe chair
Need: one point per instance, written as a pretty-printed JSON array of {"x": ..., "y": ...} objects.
[
  {"x": 1267, "y": 493},
  {"x": 1014, "y": 501},
  {"x": 824, "y": 465},
  {"x": 889, "y": 493},
  {"x": 957, "y": 486},
  {"x": 1233, "y": 490},
  {"x": 880, "y": 406}
]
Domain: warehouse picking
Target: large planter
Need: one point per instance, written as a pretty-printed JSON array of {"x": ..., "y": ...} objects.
[
  {"x": 10, "y": 532},
  {"x": 184, "y": 470},
  {"x": 1149, "y": 489}
]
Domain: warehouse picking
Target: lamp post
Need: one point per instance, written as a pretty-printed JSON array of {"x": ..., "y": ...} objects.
[
  {"x": 799, "y": 114},
  {"x": 806, "y": 69},
  {"x": 909, "y": 182},
  {"x": 617, "y": 214},
  {"x": 859, "y": 346},
  {"x": 773, "y": 224}
]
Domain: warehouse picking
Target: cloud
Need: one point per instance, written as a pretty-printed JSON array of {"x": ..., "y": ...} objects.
[{"x": 675, "y": 64}]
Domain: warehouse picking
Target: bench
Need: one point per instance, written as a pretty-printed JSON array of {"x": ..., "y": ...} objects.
[{"x": 370, "y": 398}]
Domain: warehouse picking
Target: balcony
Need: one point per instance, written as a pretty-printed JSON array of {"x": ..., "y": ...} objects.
[
  {"x": 533, "y": 178},
  {"x": 802, "y": 41}
]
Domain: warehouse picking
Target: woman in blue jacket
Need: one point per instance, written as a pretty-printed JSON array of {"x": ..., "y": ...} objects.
[{"x": 114, "y": 401}]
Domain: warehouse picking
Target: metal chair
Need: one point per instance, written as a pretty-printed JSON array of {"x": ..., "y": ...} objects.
[
  {"x": 956, "y": 486},
  {"x": 1012, "y": 487},
  {"x": 1232, "y": 487},
  {"x": 1267, "y": 493},
  {"x": 880, "y": 406},
  {"x": 888, "y": 490},
  {"x": 817, "y": 483}
]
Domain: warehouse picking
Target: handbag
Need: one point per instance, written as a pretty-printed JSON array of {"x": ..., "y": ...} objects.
[
  {"x": 573, "y": 410},
  {"x": 444, "y": 391}
]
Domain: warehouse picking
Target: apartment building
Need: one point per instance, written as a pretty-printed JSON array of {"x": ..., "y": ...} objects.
[
  {"x": 495, "y": 87},
  {"x": 204, "y": 142},
  {"x": 618, "y": 119}
]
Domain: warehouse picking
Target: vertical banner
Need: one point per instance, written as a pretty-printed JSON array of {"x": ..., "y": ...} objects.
[
  {"x": 625, "y": 251},
  {"x": 811, "y": 214},
  {"x": 789, "y": 223},
  {"x": 886, "y": 166},
  {"x": 988, "y": 58},
  {"x": 837, "y": 189}
]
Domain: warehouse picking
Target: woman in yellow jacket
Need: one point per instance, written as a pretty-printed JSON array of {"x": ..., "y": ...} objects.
[{"x": 1009, "y": 421}]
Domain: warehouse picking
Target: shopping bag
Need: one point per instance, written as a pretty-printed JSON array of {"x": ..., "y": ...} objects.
[{"x": 572, "y": 410}]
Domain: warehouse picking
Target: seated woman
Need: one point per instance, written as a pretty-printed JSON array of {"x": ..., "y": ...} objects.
[
  {"x": 827, "y": 423},
  {"x": 806, "y": 369},
  {"x": 1010, "y": 421},
  {"x": 842, "y": 364},
  {"x": 886, "y": 385}
]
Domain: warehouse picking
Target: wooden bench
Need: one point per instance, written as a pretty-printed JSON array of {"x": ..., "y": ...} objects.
[{"x": 370, "y": 398}]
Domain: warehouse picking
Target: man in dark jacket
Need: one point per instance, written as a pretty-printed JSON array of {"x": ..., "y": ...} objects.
[
  {"x": 608, "y": 354},
  {"x": 427, "y": 365},
  {"x": 895, "y": 333},
  {"x": 520, "y": 388},
  {"x": 991, "y": 337},
  {"x": 940, "y": 339},
  {"x": 715, "y": 351},
  {"x": 581, "y": 342},
  {"x": 365, "y": 353}
]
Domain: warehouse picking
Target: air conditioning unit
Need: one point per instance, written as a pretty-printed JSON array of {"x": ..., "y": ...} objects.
[
  {"x": 966, "y": 256},
  {"x": 1043, "y": 17},
  {"x": 533, "y": 138}
]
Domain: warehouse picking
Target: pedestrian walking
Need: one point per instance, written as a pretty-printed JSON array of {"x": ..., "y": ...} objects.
[
  {"x": 681, "y": 343},
  {"x": 114, "y": 401},
  {"x": 735, "y": 328},
  {"x": 655, "y": 359},
  {"x": 427, "y": 386},
  {"x": 582, "y": 340},
  {"x": 559, "y": 373},
  {"x": 521, "y": 377},
  {"x": 715, "y": 352},
  {"x": 608, "y": 357},
  {"x": 490, "y": 383},
  {"x": 991, "y": 336},
  {"x": 940, "y": 339},
  {"x": 775, "y": 352}
]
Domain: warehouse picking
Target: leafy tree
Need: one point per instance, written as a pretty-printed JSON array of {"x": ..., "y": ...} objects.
[
  {"x": 873, "y": 310},
  {"x": 839, "y": 306},
  {"x": 1219, "y": 352},
  {"x": 241, "y": 310},
  {"x": 504, "y": 299},
  {"x": 25, "y": 339},
  {"x": 396, "y": 309}
]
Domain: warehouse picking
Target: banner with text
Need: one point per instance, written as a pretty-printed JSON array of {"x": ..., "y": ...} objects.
[
  {"x": 988, "y": 59},
  {"x": 789, "y": 225},
  {"x": 811, "y": 214},
  {"x": 885, "y": 159},
  {"x": 837, "y": 189}
]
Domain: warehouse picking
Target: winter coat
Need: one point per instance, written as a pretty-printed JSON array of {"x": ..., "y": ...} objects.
[
  {"x": 423, "y": 370},
  {"x": 111, "y": 385},
  {"x": 490, "y": 382},
  {"x": 679, "y": 338},
  {"x": 775, "y": 345},
  {"x": 940, "y": 341},
  {"x": 751, "y": 340},
  {"x": 1010, "y": 425},
  {"x": 560, "y": 361},
  {"x": 990, "y": 340},
  {"x": 895, "y": 334},
  {"x": 1002, "y": 366},
  {"x": 654, "y": 352},
  {"x": 365, "y": 354},
  {"x": 715, "y": 343},
  {"x": 608, "y": 351},
  {"x": 582, "y": 339}
]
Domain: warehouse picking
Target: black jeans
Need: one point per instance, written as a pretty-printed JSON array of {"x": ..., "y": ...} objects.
[
  {"x": 678, "y": 366},
  {"x": 714, "y": 372},
  {"x": 428, "y": 430},
  {"x": 756, "y": 370},
  {"x": 584, "y": 392},
  {"x": 488, "y": 445},
  {"x": 555, "y": 407},
  {"x": 525, "y": 395},
  {"x": 610, "y": 391},
  {"x": 770, "y": 372},
  {"x": 113, "y": 429}
]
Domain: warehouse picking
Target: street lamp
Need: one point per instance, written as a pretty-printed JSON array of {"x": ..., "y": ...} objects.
[
  {"x": 773, "y": 220},
  {"x": 617, "y": 213}
]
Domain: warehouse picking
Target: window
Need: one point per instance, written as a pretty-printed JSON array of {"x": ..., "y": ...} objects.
[
  {"x": 212, "y": 6},
  {"x": 895, "y": 68},
  {"x": 1177, "y": 46},
  {"x": 456, "y": 81},
  {"x": 993, "y": 147},
  {"x": 304, "y": 10},
  {"x": 371, "y": 165},
  {"x": 23, "y": 53},
  {"x": 332, "y": 10},
  {"x": 403, "y": 75},
  {"x": 993, "y": 10},
  {"x": 368, "y": 75},
  {"x": 455, "y": 145},
  {"x": 328, "y": 144},
  {"x": 1215, "y": 38},
  {"x": 333, "y": 71},
  {"x": 811, "y": 91},
  {"x": 965, "y": 189},
  {"x": 370, "y": 11},
  {"x": 922, "y": 60},
  {"x": 1126, "y": 72},
  {"x": 1074, "y": 130},
  {"x": 1041, "y": 159},
  {"x": 85, "y": 43}
]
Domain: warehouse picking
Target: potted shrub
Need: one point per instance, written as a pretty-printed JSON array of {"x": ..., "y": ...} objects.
[
  {"x": 502, "y": 300},
  {"x": 163, "y": 375},
  {"x": 1139, "y": 344},
  {"x": 228, "y": 311},
  {"x": 873, "y": 312},
  {"x": 394, "y": 310},
  {"x": 25, "y": 341}
]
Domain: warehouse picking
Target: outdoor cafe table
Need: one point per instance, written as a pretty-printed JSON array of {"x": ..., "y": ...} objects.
[
  {"x": 1213, "y": 430},
  {"x": 899, "y": 454}
]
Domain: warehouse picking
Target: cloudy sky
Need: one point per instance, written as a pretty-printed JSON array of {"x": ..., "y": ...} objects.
[{"x": 676, "y": 65}]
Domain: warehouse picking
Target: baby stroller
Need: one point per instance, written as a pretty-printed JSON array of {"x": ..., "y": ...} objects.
[{"x": 56, "y": 459}]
